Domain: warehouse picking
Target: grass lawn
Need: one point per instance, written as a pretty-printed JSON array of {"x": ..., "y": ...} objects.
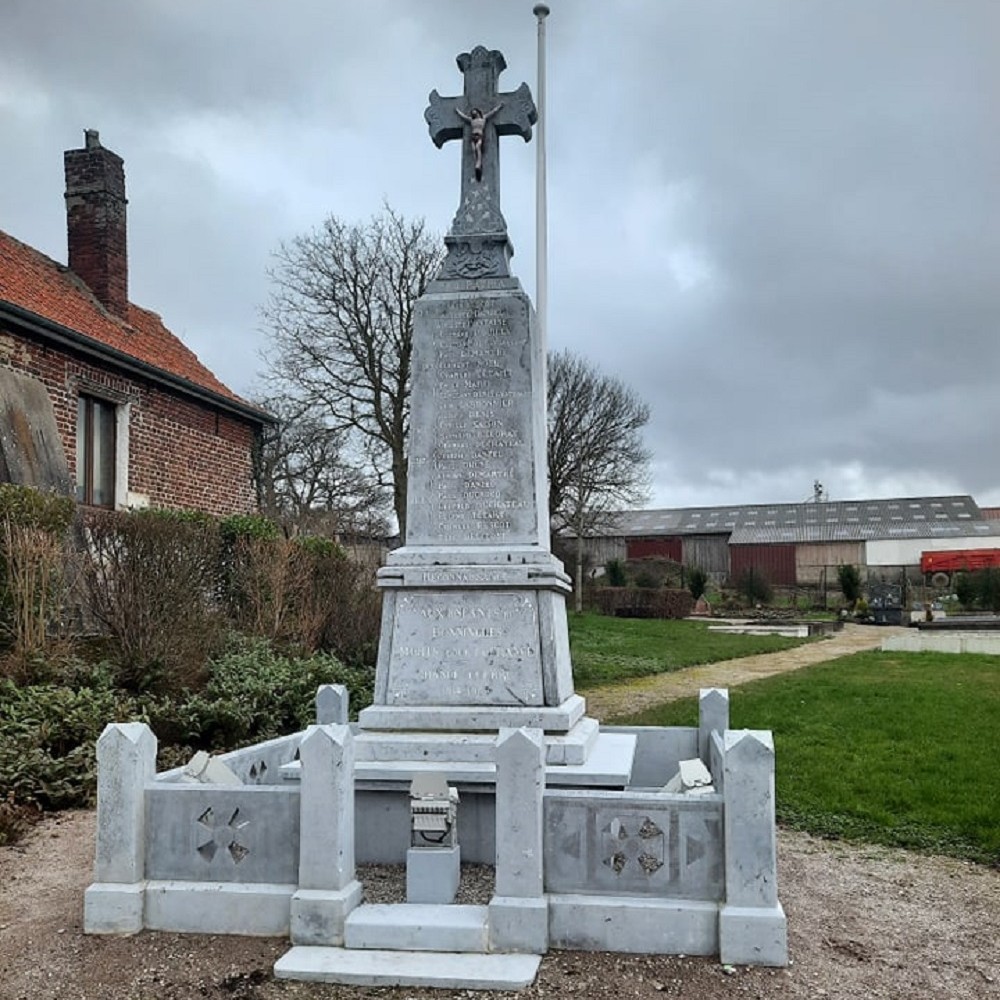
[
  {"x": 606, "y": 650},
  {"x": 891, "y": 748}
]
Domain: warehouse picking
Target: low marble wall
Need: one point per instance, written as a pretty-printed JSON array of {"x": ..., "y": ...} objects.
[{"x": 649, "y": 844}]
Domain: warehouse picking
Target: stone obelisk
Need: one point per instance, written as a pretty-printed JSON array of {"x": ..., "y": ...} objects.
[{"x": 474, "y": 630}]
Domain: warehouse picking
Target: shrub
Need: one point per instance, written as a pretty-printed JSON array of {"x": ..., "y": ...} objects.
[
  {"x": 633, "y": 602},
  {"x": 849, "y": 579},
  {"x": 614, "y": 573},
  {"x": 646, "y": 579},
  {"x": 697, "y": 581},
  {"x": 754, "y": 586},
  {"x": 150, "y": 580},
  {"x": 33, "y": 527},
  {"x": 48, "y": 734},
  {"x": 254, "y": 693},
  {"x": 965, "y": 590}
]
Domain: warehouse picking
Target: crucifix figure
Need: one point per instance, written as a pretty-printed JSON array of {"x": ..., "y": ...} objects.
[
  {"x": 477, "y": 243},
  {"x": 477, "y": 127}
]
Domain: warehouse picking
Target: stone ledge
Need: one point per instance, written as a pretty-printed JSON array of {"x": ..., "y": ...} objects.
[
  {"x": 443, "y": 970},
  {"x": 459, "y": 718}
]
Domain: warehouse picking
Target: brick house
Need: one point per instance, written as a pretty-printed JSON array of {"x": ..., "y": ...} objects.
[{"x": 97, "y": 396}]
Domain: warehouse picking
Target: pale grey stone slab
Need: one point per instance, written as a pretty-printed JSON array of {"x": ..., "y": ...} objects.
[
  {"x": 571, "y": 748},
  {"x": 750, "y": 833},
  {"x": 451, "y": 971},
  {"x": 639, "y": 926},
  {"x": 508, "y": 562},
  {"x": 432, "y": 875},
  {"x": 657, "y": 751},
  {"x": 316, "y": 916},
  {"x": 259, "y": 910},
  {"x": 222, "y": 834},
  {"x": 458, "y": 718},
  {"x": 474, "y": 647},
  {"x": 326, "y": 854},
  {"x": 646, "y": 844},
  {"x": 126, "y": 761},
  {"x": 713, "y": 716},
  {"x": 753, "y": 935},
  {"x": 332, "y": 703},
  {"x": 519, "y": 924},
  {"x": 417, "y": 927},
  {"x": 113, "y": 907},
  {"x": 477, "y": 427},
  {"x": 520, "y": 791},
  {"x": 608, "y": 765},
  {"x": 259, "y": 764}
]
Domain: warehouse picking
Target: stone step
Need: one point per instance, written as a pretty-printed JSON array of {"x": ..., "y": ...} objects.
[
  {"x": 443, "y": 970},
  {"x": 417, "y": 927}
]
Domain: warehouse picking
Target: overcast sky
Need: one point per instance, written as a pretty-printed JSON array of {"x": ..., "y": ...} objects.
[{"x": 778, "y": 221}]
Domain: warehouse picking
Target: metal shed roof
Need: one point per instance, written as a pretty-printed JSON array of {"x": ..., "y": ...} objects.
[{"x": 840, "y": 520}]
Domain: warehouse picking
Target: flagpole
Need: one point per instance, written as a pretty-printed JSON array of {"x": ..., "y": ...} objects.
[{"x": 541, "y": 11}]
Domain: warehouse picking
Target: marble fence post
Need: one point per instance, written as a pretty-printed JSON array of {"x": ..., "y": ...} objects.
[
  {"x": 518, "y": 913},
  {"x": 328, "y": 889},
  {"x": 752, "y": 925},
  {"x": 332, "y": 701},
  {"x": 126, "y": 760},
  {"x": 713, "y": 716}
]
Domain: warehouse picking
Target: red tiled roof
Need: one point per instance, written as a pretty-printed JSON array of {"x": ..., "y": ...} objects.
[{"x": 40, "y": 285}]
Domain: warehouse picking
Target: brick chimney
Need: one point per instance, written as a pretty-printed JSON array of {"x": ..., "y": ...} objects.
[{"x": 95, "y": 221}]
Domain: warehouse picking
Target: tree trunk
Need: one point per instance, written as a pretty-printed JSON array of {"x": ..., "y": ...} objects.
[{"x": 579, "y": 572}]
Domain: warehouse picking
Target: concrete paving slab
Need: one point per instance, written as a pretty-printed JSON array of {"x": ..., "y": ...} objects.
[
  {"x": 402, "y": 968},
  {"x": 417, "y": 927}
]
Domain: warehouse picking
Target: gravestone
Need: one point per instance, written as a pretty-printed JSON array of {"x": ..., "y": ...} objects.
[{"x": 474, "y": 629}]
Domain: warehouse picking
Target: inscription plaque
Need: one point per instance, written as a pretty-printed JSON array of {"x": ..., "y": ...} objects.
[
  {"x": 472, "y": 471},
  {"x": 480, "y": 648}
]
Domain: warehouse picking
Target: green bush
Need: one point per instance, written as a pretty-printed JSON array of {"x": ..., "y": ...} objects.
[
  {"x": 754, "y": 586},
  {"x": 253, "y": 693},
  {"x": 697, "y": 581},
  {"x": 614, "y": 573},
  {"x": 965, "y": 590},
  {"x": 47, "y": 738},
  {"x": 48, "y": 732},
  {"x": 31, "y": 508},
  {"x": 849, "y": 579}
]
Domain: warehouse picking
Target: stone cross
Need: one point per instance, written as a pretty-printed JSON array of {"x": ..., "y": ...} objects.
[{"x": 499, "y": 113}]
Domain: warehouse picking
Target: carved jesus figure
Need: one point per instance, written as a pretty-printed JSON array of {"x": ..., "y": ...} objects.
[{"x": 477, "y": 127}]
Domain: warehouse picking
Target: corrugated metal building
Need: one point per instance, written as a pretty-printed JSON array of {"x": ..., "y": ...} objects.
[{"x": 802, "y": 544}]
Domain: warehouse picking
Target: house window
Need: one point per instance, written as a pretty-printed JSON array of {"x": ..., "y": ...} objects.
[{"x": 96, "y": 440}]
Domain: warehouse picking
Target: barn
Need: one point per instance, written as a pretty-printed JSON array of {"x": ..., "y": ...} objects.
[{"x": 800, "y": 544}]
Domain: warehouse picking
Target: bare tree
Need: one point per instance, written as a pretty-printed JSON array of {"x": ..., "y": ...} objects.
[
  {"x": 307, "y": 476},
  {"x": 597, "y": 461},
  {"x": 341, "y": 314}
]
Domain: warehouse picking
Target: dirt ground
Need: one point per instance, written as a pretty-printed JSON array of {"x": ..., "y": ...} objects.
[{"x": 863, "y": 922}]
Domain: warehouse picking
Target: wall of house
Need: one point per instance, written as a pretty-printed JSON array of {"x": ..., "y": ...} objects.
[{"x": 180, "y": 454}]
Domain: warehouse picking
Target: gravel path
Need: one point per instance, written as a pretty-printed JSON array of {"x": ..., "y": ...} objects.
[{"x": 614, "y": 700}]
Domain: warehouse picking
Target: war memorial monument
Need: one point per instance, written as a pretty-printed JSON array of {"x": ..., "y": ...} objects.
[{"x": 476, "y": 747}]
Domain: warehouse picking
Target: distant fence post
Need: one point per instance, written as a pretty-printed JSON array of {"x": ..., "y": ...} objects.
[
  {"x": 126, "y": 760},
  {"x": 328, "y": 889},
  {"x": 752, "y": 925}
]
